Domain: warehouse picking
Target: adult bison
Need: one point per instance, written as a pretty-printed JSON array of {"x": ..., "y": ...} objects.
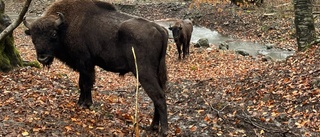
[
  {"x": 86, "y": 33},
  {"x": 182, "y": 31}
]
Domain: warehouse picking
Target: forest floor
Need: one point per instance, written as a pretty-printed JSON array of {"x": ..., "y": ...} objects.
[{"x": 211, "y": 93}]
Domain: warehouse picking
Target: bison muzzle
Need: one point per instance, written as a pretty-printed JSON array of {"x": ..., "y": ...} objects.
[{"x": 88, "y": 33}]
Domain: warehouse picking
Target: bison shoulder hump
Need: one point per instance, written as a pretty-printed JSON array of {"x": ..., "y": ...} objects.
[
  {"x": 189, "y": 22},
  {"x": 105, "y": 5}
]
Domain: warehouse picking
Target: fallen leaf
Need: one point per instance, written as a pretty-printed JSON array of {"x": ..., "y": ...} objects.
[{"x": 25, "y": 133}]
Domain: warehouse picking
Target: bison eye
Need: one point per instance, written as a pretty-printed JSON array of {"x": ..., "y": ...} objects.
[{"x": 54, "y": 34}]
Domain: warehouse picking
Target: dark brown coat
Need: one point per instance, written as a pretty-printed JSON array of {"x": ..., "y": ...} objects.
[
  {"x": 86, "y": 33},
  {"x": 182, "y": 31}
]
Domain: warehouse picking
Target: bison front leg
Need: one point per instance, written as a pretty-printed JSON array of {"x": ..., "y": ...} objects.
[
  {"x": 179, "y": 49},
  {"x": 185, "y": 50},
  {"x": 86, "y": 81}
]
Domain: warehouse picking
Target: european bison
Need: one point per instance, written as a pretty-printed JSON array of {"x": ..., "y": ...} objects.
[
  {"x": 182, "y": 31},
  {"x": 86, "y": 33}
]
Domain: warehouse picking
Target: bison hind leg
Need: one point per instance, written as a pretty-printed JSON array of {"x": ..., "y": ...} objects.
[
  {"x": 151, "y": 85},
  {"x": 155, "y": 121}
]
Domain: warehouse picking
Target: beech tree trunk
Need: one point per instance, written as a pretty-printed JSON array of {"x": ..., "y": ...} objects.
[
  {"x": 304, "y": 23},
  {"x": 9, "y": 56}
]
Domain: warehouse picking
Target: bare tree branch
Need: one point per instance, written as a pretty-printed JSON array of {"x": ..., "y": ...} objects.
[
  {"x": 16, "y": 23},
  {"x": 317, "y": 41}
]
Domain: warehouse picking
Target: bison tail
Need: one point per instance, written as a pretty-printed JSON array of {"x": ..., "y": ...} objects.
[{"x": 162, "y": 72}]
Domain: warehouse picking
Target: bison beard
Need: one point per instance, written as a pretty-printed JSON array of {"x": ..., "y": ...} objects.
[{"x": 86, "y": 33}]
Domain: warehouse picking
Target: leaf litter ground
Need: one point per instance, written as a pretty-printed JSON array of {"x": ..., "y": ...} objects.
[{"x": 211, "y": 93}]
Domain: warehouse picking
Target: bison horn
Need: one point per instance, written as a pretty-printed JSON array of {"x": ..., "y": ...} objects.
[
  {"x": 26, "y": 23},
  {"x": 60, "y": 20}
]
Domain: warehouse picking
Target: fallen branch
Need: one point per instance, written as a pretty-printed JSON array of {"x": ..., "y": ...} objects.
[
  {"x": 249, "y": 121},
  {"x": 16, "y": 23},
  {"x": 285, "y": 4},
  {"x": 317, "y": 41},
  {"x": 218, "y": 111},
  {"x": 269, "y": 14}
]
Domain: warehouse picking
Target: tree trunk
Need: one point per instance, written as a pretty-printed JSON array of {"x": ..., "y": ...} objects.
[
  {"x": 9, "y": 56},
  {"x": 304, "y": 23}
]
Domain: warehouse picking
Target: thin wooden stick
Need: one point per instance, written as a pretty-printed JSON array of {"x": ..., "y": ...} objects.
[{"x": 136, "y": 125}]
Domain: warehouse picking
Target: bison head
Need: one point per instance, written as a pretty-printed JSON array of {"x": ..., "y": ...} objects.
[
  {"x": 176, "y": 31},
  {"x": 45, "y": 34}
]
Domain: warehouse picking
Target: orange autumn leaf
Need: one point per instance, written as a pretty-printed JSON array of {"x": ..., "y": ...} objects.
[
  {"x": 193, "y": 128},
  {"x": 68, "y": 128}
]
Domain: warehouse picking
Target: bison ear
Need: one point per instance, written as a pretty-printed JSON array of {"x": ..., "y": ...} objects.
[
  {"x": 27, "y": 32},
  {"x": 180, "y": 27},
  {"x": 170, "y": 28}
]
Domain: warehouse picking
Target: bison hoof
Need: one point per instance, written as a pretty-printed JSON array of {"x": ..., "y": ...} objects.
[
  {"x": 85, "y": 105},
  {"x": 151, "y": 128},
  {"x": 154, "y": 129},
  {"x": 163, "y": 134}
]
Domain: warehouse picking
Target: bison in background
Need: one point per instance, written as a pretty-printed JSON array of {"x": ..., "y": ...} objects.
[
  {"x": 182, "y": 31},
  {"x": 86, "y": 33}
]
